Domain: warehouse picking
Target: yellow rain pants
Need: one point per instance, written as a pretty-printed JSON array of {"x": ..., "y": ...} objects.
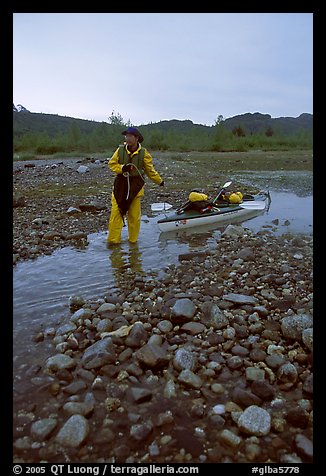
[{"x": 133, "y": 217}]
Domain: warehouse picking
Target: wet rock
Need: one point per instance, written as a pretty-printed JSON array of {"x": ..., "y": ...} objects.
[
  {"x": 74, "y": 432},
  {"x": 263, "y": 390},
  {"x": 257, "y": 355},
  {"x": 170, "y": 390},
  {"x": 275, "y": 361},
  {"x": 22, "y": 444},
  {"x": 183, "y": 309},
  {"x": 218, "y": 409},
  {"x": 59, "y": 362},
  {"x": 213, "y": 316},
  {"x": 140, "y": 395},
  {"x": 99, "y": 354},
  {"x": 184, "y": 359},
  {"x": 241, "y": 331},
  {"x": 254, "y": 373},
  {"x": 75, "y": 387},
  {"x": 234, "y": 362},
  {"x": 308, "y": 384},
  {"x": 80, "y": 408},
  {"x": 153, "y": 356},
  {"x": 245, "y": 398},
  {"x": 134, "y": 369},
  {"x": 82, "y": 169},
  {"x": 82, "y": 313},
  {"x": 239, "y": 350},
  {"x": 240, "y": 299},
  {"x": 66, "y": 328},
  {"x": 292, "y": 326},
  {"x": 141, "y": 431},
  {"x": 193, "y": 328},
  {"x": 165, "y": 326},
  {"x": 308, "y": 338},
  {"x": 78, "y": 235},
  {"x": 104, "y": 325},
  {"x": 217, "y": 421},
  {"x": 230, "y": 439},
  {"x": 233, "y": 231},
  {"x": 138, "y": 335},
  {"x": 287, "y": 373},
  {"x": 283, "y": 304},
  {"x": 252, "y": 451},
  {"x": 106, "y": 307},
  {"x": 246, "y": 254},
  {"x": 104, "y": 436},
  {"x": 118, "y": 322},
  {"x": 261, "y": 310},
  {"x": 290, "y": 458},
  {"x": 255, "y": 421},
  {"x": 75, "y": 302},
  {"x": 115, "y": 391},
  {"x": 188, "y": 378},
  {"x": 304, "y": 446},
  {"x": 42, "y": 429}
]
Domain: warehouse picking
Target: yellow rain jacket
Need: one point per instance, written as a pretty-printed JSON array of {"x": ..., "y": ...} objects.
[{"x": 149, "y": 170}]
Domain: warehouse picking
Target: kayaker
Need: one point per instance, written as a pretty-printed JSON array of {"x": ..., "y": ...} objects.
[{"x": 130, "y": 162}]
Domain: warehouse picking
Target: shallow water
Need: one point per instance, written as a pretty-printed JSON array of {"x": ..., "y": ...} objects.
[{"x": 42, "y": 287}]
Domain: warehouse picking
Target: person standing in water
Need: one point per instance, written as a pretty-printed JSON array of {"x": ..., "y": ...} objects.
[{"x": 130, "y": 162}]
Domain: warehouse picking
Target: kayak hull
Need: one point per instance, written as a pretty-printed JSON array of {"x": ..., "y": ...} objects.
[{"x": 221, "y": 215}]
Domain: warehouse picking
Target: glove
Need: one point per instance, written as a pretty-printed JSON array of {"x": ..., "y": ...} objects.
[
  {"x": 126, "y": 168},
  {"x": 162, "y": 183}
]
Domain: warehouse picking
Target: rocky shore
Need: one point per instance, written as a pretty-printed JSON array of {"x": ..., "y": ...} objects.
[{"x": 211, "y": 363}]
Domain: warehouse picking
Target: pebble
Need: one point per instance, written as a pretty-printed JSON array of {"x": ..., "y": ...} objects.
[{"x": 255, "y": 421}]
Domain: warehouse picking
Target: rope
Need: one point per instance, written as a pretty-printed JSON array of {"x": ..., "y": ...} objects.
[{"x": 127, "y": 175}]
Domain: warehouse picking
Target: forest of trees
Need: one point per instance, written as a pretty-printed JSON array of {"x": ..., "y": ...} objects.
[{"x": 69, "y": 135}]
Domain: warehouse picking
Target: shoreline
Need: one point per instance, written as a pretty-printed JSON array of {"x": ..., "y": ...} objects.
[
  {"x": 225, "y": 334},
  {"x": 211, "y": 363}
]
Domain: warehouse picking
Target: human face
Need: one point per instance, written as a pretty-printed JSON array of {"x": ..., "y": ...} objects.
[{"x": 132, "y": 141}]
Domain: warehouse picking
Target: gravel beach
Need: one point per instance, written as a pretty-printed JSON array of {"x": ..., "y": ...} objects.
[{"x": 211, "y": 363}]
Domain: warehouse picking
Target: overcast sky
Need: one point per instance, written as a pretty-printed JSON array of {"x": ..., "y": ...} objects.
[{"x": 159, "y": 66}]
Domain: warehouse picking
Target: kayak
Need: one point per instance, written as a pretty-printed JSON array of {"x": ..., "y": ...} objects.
[{"x": 222, "y": 213}]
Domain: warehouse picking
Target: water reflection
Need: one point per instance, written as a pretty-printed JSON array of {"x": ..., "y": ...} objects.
[{"x": 125, "y": 261}]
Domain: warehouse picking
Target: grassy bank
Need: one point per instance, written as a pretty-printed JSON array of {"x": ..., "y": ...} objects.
[
  {"x": 181, "y": 171},
  {"x": 253, "y": 160}
]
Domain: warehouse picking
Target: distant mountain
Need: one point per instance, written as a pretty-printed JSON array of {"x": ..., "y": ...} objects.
[
  {"x": 19, "y": 108},
  {"x": 256, "y": 122},
  {"x": 52, "y": 124},
  {"x": 250, "y": 123}
]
